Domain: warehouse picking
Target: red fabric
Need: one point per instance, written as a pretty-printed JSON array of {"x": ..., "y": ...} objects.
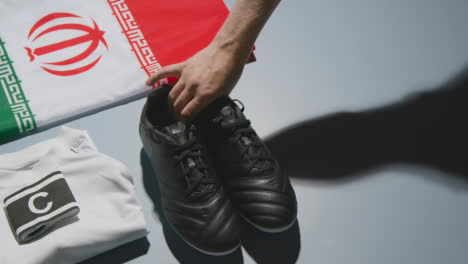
[{"x": 177, "y": 29}]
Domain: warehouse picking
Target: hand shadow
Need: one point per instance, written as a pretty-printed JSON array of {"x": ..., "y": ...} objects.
[
  {"x": 183, "y": 252},
  {"x": 427, "y": 129}
]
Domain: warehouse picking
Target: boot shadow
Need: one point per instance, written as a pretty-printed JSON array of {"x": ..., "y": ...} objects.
[
  {"x": 272, "y": 248},
  {"x": 121, "y": 254}
]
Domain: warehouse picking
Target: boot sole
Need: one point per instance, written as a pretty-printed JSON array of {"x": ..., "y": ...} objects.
[{"x": 269, "y": 230}]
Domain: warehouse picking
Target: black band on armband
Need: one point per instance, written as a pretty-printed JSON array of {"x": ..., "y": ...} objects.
[{"x": 36, "y": 208}]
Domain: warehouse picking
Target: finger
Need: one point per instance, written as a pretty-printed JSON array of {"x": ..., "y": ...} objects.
[
  {"x": 173, "y": 70},
  {"x": 195, "y": 106},
  {"x": 179, "y": 86},
  {"x": 184, "y": 98},
  {"x": 176, "y": 90}
]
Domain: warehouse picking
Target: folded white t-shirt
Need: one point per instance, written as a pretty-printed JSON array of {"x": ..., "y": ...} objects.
[{"x": 109, "y": 215}]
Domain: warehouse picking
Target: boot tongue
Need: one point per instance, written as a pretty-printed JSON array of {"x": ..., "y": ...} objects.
[{"x": 177, "y": 133}]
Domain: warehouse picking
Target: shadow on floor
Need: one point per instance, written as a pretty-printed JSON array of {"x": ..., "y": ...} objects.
[
  {"x": 279, "y": 248},
  {"x": 263, "y": 248},
  {"x": 427, "y": 129},
  {"x": 121, "y": 254}
]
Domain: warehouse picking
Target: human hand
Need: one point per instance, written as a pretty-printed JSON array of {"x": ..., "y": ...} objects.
[{"x": 209, "y": 74}]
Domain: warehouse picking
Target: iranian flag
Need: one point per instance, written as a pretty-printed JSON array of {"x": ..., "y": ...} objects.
[{"x": 63, "y": 59}]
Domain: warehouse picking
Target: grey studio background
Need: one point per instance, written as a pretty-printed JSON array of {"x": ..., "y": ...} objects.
[{"x": 377, "y": 184}]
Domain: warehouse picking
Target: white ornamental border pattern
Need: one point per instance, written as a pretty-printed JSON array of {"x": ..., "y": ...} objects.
[
  {"x": 135, "y": 36},
  {"x": 12, "y": 88}
]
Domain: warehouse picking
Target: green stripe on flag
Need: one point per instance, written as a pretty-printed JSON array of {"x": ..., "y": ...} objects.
[
  {"x": 15, "y": 115},
  {"x": 8, "y": 126}
]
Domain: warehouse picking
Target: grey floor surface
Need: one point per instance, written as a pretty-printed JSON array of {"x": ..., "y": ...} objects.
[{"x": 363, "y": 103}]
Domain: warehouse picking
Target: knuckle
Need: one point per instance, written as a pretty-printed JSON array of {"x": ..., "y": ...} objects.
[
  {"x": 195, "y": 82},
  {"x": 192, "y": 85},
  {"x": 190, "y": 88},
  {"x": 207, "y": 94}
]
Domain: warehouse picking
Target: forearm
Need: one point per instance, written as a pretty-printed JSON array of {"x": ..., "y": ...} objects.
[{"x": 244, "y": 23}]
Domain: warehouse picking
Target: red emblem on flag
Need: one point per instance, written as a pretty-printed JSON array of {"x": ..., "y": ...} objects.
[{"x": 57, "y": 42}]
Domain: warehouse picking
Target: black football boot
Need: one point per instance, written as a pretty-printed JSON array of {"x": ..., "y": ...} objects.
[
  {"x": 192, "y": 198},
  {"x": 258, "y": 188}
]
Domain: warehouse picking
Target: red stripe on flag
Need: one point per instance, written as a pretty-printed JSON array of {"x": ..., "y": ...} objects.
[
  {"x": 177, "y": 29},
  {"x": 164, "y": 32}
]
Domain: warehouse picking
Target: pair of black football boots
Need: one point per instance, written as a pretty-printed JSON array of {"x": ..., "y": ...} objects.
[{"x": 213, "y": 170}]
